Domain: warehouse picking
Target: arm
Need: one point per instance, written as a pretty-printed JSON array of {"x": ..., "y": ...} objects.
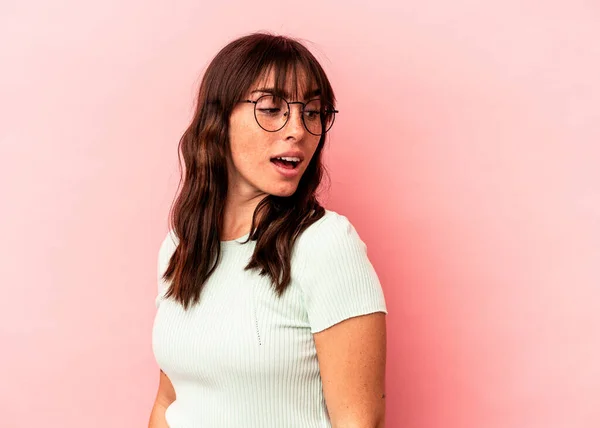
[
  {"x": 164, "y": 397},
  {"x": 352, "y": 357}
]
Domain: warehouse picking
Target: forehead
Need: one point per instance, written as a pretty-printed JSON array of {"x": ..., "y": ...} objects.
[{"x": 295, "y": 83}]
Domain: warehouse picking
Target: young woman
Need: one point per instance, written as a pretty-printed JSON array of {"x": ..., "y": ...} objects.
[{"x": 269, "y": 312}]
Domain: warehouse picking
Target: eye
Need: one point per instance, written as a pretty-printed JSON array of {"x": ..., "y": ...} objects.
[
  {"x": 312, "y": 114},
  {"x": 270, "y": 111},
  {"x": 270, "y": 105}
]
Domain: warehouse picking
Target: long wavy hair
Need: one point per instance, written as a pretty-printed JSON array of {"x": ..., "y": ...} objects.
[{"x": 196, "y": 215}]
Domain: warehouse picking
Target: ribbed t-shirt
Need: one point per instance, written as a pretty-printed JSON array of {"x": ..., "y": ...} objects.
[{"x": 244, "y": 358}]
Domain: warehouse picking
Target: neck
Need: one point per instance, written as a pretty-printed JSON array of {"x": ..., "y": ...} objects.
[{"x": 237, "y": 217}]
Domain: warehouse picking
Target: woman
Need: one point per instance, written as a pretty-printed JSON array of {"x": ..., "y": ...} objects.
[{"x": 269, "y": 313}]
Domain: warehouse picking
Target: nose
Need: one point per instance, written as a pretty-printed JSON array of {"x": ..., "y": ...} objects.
[{"x": 295, "y": 126}]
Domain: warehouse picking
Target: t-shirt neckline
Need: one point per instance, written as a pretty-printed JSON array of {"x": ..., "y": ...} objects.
[{"x": 236, "y": 240}]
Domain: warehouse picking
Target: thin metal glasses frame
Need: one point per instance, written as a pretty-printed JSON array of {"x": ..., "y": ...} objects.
[{"x": 333, "y": 111}]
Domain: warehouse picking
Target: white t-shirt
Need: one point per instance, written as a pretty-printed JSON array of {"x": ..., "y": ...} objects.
[{"x": 244, "y": 358}]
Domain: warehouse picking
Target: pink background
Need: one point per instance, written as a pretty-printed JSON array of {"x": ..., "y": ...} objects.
[{"x": 466, "y": 154}]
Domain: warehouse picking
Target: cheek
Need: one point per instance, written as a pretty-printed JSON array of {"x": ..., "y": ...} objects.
[
  {"x": 249, "y": 145},
  {"x": 314, "y": 143}
]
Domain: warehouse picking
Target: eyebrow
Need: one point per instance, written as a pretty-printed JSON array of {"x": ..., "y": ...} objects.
[{"x": 273, "y": 91}]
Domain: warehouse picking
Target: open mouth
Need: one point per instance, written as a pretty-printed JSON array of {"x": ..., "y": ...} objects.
[{"x": 287, "y": 164}]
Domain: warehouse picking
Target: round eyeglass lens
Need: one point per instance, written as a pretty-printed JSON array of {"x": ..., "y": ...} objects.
[
  {"x": 272, "y": 113},
  {"x": 318, "y": 117}
]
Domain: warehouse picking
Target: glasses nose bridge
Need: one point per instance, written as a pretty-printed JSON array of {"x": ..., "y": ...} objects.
[{"x": 300, "y": 109}]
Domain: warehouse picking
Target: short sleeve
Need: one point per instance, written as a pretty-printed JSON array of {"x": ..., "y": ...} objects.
[
  {"x": 338, "y": 280},
  {"x": 166, "y": 250}
]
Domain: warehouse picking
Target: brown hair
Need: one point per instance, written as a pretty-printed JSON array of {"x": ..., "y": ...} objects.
[{"x": 197, "y": 213}]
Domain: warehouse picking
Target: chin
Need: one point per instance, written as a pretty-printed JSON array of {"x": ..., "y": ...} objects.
[{"x": 284, "y": 193}]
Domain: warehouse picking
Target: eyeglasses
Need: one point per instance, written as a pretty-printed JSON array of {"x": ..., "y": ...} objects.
[{"x": 273, "y": 112}]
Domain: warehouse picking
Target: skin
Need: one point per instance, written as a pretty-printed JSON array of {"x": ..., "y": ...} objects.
[
  {"x": 252, "y": 176},
  {"x": 352, "y": 353},
  {"x": 352, "y": 357}
]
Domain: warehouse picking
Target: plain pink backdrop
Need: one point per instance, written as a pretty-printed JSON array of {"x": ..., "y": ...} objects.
[{"x": 466, "y": 154}]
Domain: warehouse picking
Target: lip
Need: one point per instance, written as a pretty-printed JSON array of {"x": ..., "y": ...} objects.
[
  {"x": 291, "y": 154},
  {"x": 289, "y": 173}
]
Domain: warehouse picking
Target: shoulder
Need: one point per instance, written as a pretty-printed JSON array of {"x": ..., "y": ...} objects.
[
  {"x": 333, "y": 229},
  {"x": 335, "y": 275},
  {"x": 331, "y": 239},
  {"x": 166, "y": 249},
  {"x": 168, "y": 245}
]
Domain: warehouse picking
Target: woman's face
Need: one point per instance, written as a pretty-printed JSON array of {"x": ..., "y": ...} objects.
[{"x": 253, "y": 173}]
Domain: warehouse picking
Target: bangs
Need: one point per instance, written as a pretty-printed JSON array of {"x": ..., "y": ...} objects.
[
  {"x": 280, "y": 65},
  {"x": 295, "y": 77}
]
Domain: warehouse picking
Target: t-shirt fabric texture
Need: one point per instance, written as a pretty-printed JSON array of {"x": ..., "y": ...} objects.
[{"x": 244, "y": 358}]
